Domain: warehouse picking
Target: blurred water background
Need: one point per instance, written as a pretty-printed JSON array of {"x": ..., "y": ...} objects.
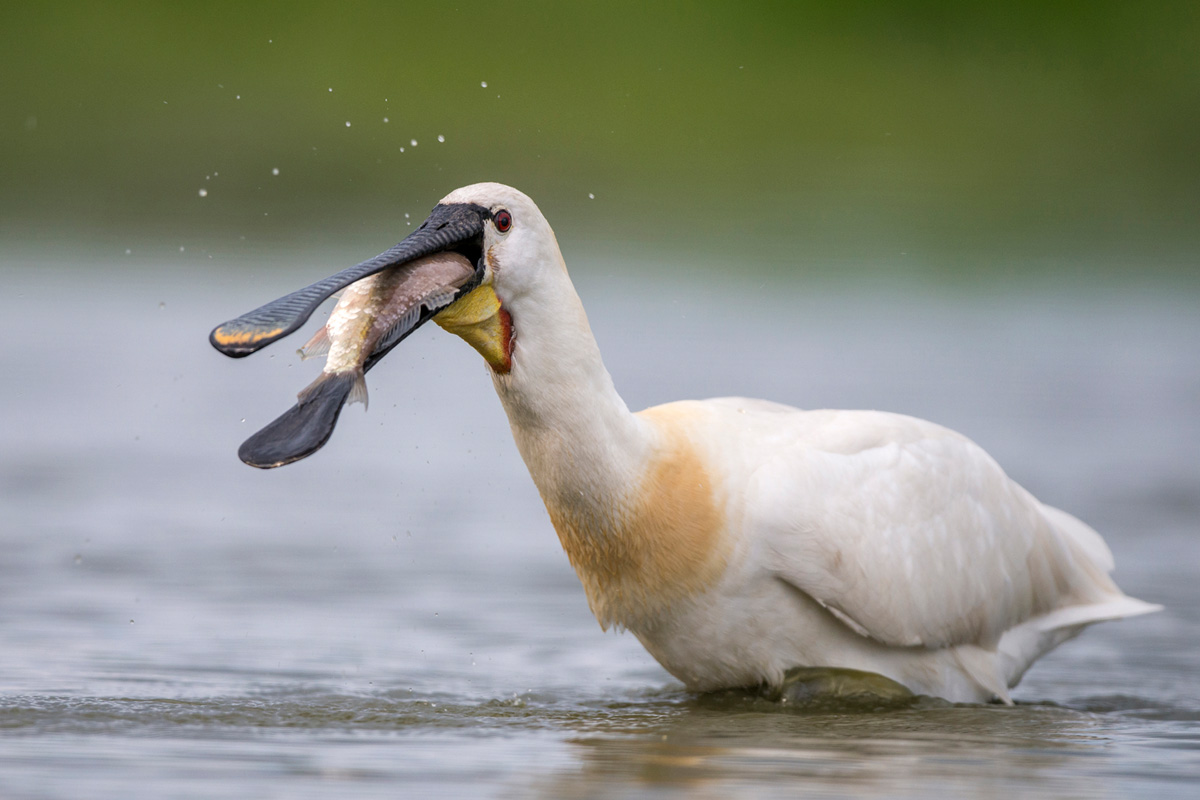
[{"x": 982, "y": 216}]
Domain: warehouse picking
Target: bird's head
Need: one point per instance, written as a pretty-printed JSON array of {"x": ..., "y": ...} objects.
[
  {"x": 497, "y": 228},
  {"x": 517, "y": 250}
]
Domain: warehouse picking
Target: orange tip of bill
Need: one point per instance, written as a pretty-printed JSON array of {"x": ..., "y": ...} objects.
[{"x": 223, "y": 337}]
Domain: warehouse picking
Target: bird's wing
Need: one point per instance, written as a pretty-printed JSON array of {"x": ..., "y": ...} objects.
[{"x": 911, "y": 534}]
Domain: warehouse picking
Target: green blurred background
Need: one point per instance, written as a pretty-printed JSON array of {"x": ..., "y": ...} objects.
[{"x": 922, "y": 138}]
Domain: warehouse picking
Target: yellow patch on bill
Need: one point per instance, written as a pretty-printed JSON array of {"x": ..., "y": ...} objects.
[
  {"x": 479, "y": 318},
  {"x": 243, "y": 336}
]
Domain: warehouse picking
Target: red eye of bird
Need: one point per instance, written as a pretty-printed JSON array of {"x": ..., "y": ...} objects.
[{"x": 503, "y": 221}]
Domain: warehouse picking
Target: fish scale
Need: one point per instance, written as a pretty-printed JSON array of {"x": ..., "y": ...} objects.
[{"x": 381, "y": 308}]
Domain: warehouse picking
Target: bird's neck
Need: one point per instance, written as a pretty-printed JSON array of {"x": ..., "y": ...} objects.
[
  {"x": 583, "y": 447},
  {"x": 630, "y": 497},
  {"x": 587, "y": 454}
]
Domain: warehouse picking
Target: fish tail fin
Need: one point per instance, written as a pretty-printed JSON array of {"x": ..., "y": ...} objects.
[{"x": 304, "y": 428}]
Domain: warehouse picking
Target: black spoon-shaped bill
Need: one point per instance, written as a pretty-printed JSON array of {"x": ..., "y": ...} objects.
[{"x": 448, "y": 227}]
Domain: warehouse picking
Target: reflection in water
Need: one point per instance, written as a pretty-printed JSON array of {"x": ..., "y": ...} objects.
[
  {"x": 704, "y": 745},
  {"x": 712, "y": 751}
]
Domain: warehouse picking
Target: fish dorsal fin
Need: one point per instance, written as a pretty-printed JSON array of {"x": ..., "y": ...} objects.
[
  {"x": 318, "y": 345},
  {"x": 399, "y": 328},
  {"x": 442, "y": 297}
]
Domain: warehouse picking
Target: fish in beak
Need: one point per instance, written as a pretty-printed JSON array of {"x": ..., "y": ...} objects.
[
  {"x": 389, "y": 296},
  {"x": 451, "y": 227}
]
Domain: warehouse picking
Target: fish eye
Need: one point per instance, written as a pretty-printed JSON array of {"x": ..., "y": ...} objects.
[{"x": 503, "y": 220}]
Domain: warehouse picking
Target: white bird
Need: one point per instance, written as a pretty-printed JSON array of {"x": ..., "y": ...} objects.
[{"x": 738, "y": 539}]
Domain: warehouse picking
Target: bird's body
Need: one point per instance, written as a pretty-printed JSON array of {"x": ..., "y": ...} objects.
[
  {"x": 758, "y": 538},
  {"x": 738, "y": 539}
]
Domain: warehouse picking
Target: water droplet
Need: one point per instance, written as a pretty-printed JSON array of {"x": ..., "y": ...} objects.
[
  {"x": 128, "y": 251},
  {"x": 441, "y": 138},
  {"x": 239, "y": 97},
  {"x": 203, "y": 192},
  {"x": 331, "y": 88},
  {"x": 483, "y": 84},
  {"x": 402, "y": 149},
  {"x": 385, "y": 119},
  {"x": 413, "y": 142},
  {"x": 181, "y": 248},
  {"x": 406, "y": 216},
  {"x": 591, "y": 196},
  {"x": 275, "y": 170},
  {"x": 347, "y": 123}
]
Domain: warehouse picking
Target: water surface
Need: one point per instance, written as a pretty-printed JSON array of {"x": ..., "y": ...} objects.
[{"x": 394, "y": 616}]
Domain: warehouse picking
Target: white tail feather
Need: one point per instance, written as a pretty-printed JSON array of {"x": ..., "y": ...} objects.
[
  {"x": 1116, "y": 608},
  {"x": 1082, "y": 535},
  {"x": 1029, "y": 641}
]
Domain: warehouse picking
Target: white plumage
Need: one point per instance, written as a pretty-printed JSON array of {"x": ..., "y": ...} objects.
[{"x": 739, "y": 538}]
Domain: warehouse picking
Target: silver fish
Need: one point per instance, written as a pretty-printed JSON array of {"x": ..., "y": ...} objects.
[
  {"x": 370, "y": 318},
  {"x": 376, "y": 312}
]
